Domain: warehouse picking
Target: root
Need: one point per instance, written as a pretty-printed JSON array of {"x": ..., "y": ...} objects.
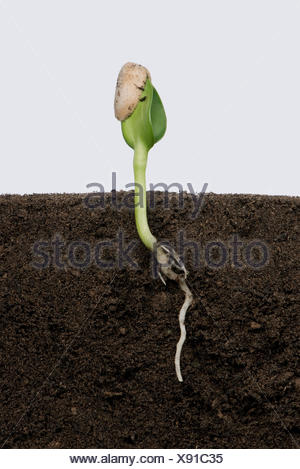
[
  {"x": 187, "y": 302},
  {"x": 173, "y": 268}
]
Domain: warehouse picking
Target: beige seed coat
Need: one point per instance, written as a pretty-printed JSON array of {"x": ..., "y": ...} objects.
[{"x": 130, "y": 84}]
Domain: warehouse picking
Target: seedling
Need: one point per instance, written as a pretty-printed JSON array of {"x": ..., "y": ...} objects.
[{"x": 143, "y": 120}]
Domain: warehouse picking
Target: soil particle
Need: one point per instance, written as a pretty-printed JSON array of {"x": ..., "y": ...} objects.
[{"x": 254, "y": 325}]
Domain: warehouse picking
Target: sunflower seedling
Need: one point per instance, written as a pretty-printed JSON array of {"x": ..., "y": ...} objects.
[{"x": 143, "y": 121}]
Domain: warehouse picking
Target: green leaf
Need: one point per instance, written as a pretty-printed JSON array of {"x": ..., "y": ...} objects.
[
  {"x": 158, "y": 117},
  {"x": 147, "y": 124}
]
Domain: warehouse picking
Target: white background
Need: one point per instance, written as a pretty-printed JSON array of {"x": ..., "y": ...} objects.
[
  {"x": 232, "y": 459},
  {"x": 227, "y": 71}
]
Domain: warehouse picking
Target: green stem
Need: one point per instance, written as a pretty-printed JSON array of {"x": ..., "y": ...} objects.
[{"x": 140, "y": 199}]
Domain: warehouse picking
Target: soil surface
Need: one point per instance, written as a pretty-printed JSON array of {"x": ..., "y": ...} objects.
[{"x": 87, "y": 353}]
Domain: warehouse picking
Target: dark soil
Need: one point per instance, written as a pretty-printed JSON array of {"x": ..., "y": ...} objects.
[{"x": 87, "y": 355}]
